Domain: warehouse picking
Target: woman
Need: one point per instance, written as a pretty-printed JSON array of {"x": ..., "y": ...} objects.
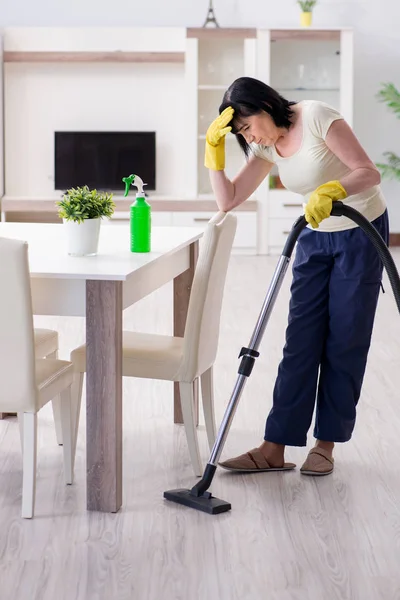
[{"x": 336, "y": 272}]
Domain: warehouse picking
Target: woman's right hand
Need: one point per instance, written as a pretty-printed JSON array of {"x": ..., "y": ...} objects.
[{"x": 215, "y": 140}]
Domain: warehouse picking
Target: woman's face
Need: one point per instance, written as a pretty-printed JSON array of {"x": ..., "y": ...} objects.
[{"x": 259, "y": 129}]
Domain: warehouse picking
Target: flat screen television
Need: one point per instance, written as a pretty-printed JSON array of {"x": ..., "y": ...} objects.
[{"x": 101, "y": 159}]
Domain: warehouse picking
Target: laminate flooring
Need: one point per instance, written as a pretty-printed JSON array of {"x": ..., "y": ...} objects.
[{"x": 287, "y": 537}]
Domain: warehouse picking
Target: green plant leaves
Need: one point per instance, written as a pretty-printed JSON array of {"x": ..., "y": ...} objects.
[
  {"x": 81, "y": 203},
  {"x": 307, "y": 5},
  {"x": 391, "y": 96},
  {"x": 391, "y": 169}
]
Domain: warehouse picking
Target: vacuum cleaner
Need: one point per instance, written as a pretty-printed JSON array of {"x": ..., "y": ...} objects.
[{"x": 198, "y": 497}]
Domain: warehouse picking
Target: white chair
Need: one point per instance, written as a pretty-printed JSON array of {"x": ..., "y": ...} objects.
[
  {"x": 46, "y": 343},
  {"x": 28, "y": 383},
  {"x": 46, "y": 346},
  {"x": 184, "y": 359}
]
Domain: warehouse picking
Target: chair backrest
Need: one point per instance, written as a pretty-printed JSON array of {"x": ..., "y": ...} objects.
[
  {"x": 17, "y": 351},
  {"x": 204, "y": 312}
]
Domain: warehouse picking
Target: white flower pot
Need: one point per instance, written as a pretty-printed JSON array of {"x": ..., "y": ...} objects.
[{"x": 82, "y": 238}]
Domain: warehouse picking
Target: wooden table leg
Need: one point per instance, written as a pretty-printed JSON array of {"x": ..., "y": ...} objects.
[
  {"x": 182, "y": 289},
  {"x": 104, "y": 395}
]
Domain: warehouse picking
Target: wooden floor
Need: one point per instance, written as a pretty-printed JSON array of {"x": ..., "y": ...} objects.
[{"x": 286, "y": 538}]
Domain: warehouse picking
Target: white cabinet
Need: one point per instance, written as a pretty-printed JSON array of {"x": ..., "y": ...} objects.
[
  {"x": 246, "y": 232},
  {"x": 214, "y": 59},
  {"x": 301, "y": 64},
  {"x": 283, "y": 204},
  {"x": 158, "y": 218}
]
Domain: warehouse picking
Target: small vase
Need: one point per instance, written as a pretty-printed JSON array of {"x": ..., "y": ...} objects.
[
  {"x": 83, "y": 238},
  {"x": 306, "y": 19}
]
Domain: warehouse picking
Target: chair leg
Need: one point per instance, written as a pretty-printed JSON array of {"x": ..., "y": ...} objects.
[
  {"x": 56, "y": 404},
  {"x": 68, "y": 433},
  {"x": 29, "y": 458},
  {"x": 207, "y": 394},
  {"x": 20, "y": 416},
  {"x": 189, "y": 421},
  {"x": 76, "y": 399}
]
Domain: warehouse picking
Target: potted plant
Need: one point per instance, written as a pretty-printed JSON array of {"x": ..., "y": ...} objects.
[
  {"x": 306, "y": 15},
  {"x": 82, "y": 210},
  {"x": 391, "y": 96}
]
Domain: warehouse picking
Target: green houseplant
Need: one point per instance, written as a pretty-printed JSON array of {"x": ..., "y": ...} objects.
[
  {"x": 82, "y": 210},
  {"x": 306, "y": 14},
  {"x": 390, "y": 95}
]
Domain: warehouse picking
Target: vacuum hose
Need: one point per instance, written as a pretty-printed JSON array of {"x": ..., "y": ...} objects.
[{"x": 338, "y": 210}]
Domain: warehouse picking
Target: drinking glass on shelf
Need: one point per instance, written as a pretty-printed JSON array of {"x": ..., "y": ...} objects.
[
  {"x": 202, "y": 124},
  {"x": 211, "y": 72},
  {"x": 325, "y": 79},
  {"x": 301, "y": 81}
]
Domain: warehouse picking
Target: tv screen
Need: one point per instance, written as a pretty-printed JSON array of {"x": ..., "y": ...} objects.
[{"x": 100, "y": 159}]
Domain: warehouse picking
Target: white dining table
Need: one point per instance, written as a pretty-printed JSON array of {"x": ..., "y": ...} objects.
[{"x": 99, "y": 288}]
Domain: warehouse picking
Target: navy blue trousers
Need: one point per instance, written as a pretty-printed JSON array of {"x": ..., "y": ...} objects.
[{"x": 334, "y": 294}]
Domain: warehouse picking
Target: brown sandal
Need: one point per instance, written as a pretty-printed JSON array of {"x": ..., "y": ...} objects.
[
  {"x": 253, "y": 462},
  {"x": 318, "y": 462}
]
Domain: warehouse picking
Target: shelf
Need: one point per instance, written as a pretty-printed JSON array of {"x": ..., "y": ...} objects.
[
  {"x": 204, "y": 33},
  {"x": 301, "y": 89},
  {"x": 305, "y": 34},
  {"x": 228, "y": 138},
  {"x": 97, "y": 57}
]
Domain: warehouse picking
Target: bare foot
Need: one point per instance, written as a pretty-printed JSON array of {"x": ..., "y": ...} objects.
[
  {"x": 274, "y": 453},
  {"x": 328, "y": 446}
]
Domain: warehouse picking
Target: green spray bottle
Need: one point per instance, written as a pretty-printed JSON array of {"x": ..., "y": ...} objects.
[{"x": 140, "y": 216}]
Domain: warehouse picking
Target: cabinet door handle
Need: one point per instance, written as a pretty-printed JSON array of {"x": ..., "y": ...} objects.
[
  {"x": 292, "y": 205},
  {"x": 201, "y": 220}
]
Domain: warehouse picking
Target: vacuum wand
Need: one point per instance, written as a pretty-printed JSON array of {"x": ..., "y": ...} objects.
[{"x": 198, "y": 497}]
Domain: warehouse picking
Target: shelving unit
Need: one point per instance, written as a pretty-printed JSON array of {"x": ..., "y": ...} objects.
[
  {"x": 87, "y": 57},
  {"x": 214, "y": 58},
  {"x": 302, "y": 65}
]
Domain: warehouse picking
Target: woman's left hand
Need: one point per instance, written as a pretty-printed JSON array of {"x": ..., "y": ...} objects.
[{"x": 319, "y": 205}]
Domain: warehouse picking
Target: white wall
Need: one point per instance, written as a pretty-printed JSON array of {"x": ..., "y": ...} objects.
[
  {"x": 377, "y": 47},
  {"x": 44, "y": 98}
]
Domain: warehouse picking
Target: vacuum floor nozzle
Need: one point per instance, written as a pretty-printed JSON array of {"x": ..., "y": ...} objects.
[{"x": 206, "y": 502}]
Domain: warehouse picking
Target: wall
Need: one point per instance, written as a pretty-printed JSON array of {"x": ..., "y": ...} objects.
[
  {"x": 130, "y": 101},
  {"x": 377, "y": 48},
  {"x": 43, "y": 98}
]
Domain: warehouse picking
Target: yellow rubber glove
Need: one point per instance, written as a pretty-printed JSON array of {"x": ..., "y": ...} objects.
[
  {"x": 319, "y": 205},
  {"x": 215, "y": 141}
]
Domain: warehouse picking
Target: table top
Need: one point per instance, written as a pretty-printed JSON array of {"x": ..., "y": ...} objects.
[{"x": 48, "y": 256}]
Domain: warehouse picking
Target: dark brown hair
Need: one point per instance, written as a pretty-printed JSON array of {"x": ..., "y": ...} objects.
[{"x": 249, "y": 96}]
